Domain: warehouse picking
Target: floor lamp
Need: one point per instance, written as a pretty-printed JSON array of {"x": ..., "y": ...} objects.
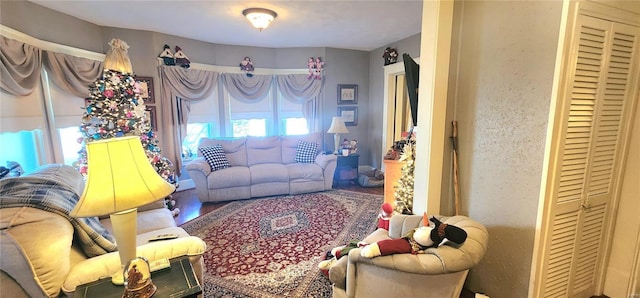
[
  {"x": 337, "y": 127},
  {"x": 120, "y": 179}
]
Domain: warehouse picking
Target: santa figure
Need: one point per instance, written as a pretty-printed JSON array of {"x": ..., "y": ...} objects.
[{"x": 385, "y": 216}]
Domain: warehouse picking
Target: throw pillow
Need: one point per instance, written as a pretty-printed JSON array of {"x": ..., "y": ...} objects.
[
  {"x": 215, "y": 156},
  {"x": 306, "y": 152}
]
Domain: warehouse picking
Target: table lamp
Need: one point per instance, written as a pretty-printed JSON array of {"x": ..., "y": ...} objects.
[
  {"x": 120, "y": 179},
  {"x": 337, "y": 127}
]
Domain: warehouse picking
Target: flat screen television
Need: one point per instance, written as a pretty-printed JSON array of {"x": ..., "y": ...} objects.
[{"x": 412, "y": 74}]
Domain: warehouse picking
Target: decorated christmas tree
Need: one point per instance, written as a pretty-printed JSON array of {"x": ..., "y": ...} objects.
[
  {"x": 404, "y": 189},
  {"x": 115, "y": 108}
]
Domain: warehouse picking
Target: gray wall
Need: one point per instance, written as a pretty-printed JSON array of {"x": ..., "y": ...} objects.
[
  {"x": 341, "y": 66},
  {"x": 409, "y": 45},
  {"x": 49, "y": 25},
  {"x": 347, "y": 67},
  {"x": 503, "y": 64}
]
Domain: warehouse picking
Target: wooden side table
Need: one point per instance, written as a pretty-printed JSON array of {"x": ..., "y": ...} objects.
[
  {"x": 392, "y": 173},
  {"x": 346, "y": 169},
  {"x": 177, "y": 281}
]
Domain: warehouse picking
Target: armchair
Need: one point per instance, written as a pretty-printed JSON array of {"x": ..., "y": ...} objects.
[{"x": 439, "y": 272}]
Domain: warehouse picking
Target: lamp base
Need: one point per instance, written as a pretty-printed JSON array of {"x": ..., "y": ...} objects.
[
  {"x": 118, "y": 278},
  {"x": 336, "y": 142},
  {"x": 125, "y": 225}
]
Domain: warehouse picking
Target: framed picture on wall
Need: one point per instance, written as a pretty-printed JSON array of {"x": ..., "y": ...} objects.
[
  {"x": 150, "y": 113},
  {"x": 146, "y": 89},
  {"x": 349, "y": 114},
  {"x": 347, "y": 94}
]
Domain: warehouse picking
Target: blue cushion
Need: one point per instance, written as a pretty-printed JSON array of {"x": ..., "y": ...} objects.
[
  {"x": 306, "y": 152},
  {"x": 214, "y": 155}
]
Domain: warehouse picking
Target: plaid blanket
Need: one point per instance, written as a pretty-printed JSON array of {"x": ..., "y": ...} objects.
[{"x": 59, "y": 198}]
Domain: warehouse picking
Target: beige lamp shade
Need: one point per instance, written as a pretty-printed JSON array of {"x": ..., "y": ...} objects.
[
  {"x": 120, "y": 177},
  {"x": 337, "y": 126}
]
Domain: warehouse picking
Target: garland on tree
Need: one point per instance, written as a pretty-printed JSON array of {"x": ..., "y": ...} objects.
[{"x": 404, "y": 189}]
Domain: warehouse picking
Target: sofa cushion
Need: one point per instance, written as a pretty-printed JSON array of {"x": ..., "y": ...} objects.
[
  {"x": 262, "y": 150},
  {"x": 229, "y": 177},
  {"x": 32, "y": 241},
  {"x": 305, "y": 171},
  {"x": 270, "y": 172},
  {"x": 306, "y": 152},
  {"x": 215, "y": 156},
  {"x": 290, "y": 145},
  {"x": 234, "y": 149}
]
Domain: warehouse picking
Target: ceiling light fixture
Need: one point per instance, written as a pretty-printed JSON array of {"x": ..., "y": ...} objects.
[{"x": 260, "y": 17}]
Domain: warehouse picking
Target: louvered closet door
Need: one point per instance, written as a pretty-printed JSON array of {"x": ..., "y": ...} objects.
[{"x": 597, "y": 102}]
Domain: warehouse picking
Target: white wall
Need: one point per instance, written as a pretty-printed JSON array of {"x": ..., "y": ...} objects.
[{"x": 502, "y": 88}]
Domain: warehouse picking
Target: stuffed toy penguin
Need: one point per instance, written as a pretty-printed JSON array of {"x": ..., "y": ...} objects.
[{"x": 417, "y": 239}]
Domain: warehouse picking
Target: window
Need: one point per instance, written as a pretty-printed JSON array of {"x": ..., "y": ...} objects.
[
  {"x": 249, "y": 127},
  {"x": 195, "y": 131},
  {"x": 70, "y": 146},
  {"x": 203, "y": 123},
  {"x": 293, "y": 121},
  {"x": 21, "y": 147},
  {"x": 295, "y": 126},
  {"x": 254, "y": 118}
]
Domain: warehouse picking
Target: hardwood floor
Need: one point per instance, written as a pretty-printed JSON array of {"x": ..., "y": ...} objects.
[{"x": 191, "y": 207}]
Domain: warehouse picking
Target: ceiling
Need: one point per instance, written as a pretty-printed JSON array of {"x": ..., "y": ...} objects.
[{"x": 359, "y": 25}]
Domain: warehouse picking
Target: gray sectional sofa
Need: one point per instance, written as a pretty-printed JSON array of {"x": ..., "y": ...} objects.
[{"x": 261, "y": 166}]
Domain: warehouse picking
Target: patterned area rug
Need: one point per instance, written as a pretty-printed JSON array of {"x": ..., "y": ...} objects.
[{"x": 270, "y": 247}]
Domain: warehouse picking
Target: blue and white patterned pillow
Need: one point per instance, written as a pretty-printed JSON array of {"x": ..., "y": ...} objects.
[
  {"x": 306, "y": 152},
  {"x": 215, "y": 156}
]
